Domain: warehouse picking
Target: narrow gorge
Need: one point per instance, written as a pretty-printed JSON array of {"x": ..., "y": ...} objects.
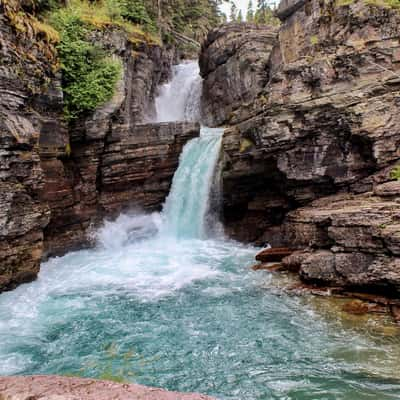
[{"x": 135, "y": 197}]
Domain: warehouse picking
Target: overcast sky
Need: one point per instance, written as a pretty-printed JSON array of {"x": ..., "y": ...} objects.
[{"x": 241, "y": 4}]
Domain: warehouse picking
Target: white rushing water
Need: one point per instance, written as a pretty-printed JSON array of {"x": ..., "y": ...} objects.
[
  {"x": 179, "y": 99},
  {"x": 188, "y": 203}
]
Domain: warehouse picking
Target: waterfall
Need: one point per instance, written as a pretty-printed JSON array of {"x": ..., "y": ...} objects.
[
  {"x": 185, "y": 210},
  {"x": 186, "y": 207},
  {"x": 179, "y": 99}
]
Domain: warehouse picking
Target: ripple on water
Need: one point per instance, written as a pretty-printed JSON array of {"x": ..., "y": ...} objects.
[{"x": 190, "y": 315}]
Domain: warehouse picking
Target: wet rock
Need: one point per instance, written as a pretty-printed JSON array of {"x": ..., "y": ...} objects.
[
  {"x": 268, "y": 267},
  {"x": 395, "y": 310},
  {"x": 64, "y": 388},
  {"x": 132, "y": 167},
  {"x": 359, "y": 307},
  {"x": 273, "y": 254},
  {"x": 302, "y": 288}
]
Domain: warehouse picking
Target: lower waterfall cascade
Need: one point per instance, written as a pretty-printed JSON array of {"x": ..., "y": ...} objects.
[{"x": 164, "y": 300}]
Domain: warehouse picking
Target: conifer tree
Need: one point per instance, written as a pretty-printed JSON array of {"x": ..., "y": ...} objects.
[
  {"x": 265, "y": 14},
  {"x": 233, "y": 15},
  {"x": 240, "y": 16},
  {"x": 250, "y": 12}
]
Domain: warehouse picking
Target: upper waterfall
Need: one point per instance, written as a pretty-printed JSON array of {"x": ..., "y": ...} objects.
[{"x": 179, "y": 99}]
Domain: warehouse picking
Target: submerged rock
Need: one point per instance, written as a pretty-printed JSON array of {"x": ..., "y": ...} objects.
[
  {"x": 359, "y": 307},
  {"x": 64, "y": 388}
]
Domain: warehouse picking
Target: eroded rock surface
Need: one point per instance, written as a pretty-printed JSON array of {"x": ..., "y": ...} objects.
[
  {"x": 234, "y": 65},
  {"x": 63, "y": 388},
  {"x": 352, "y": 241},
  {"x": 25, "y": 68}
]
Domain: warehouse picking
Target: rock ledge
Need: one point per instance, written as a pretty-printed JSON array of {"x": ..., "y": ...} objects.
[{"x": 65, "y": 388}]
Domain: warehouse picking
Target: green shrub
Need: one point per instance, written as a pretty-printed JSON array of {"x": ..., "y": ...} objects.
[
  {"x": 136, "y": 12},
  {"x": 395, "y": 173},
  {"x": 89, "y": 74}
]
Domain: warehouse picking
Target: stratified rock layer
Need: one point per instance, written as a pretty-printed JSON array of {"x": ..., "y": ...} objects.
[
  {"x": 234, "y": 65},
  {"x": 63, "y": 388},
  {"x": 351, "y": 241},
  {"x": 326, "y": 123},
  {"x": 25, "y": 67}
]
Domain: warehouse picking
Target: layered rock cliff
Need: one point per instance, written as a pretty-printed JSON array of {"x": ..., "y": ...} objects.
[
  {"x": 326, "y": 123},
  {"x": 27, "y": 84},
  {"x": 234, "y": 62},
  {"x": 57, "y": 180}
]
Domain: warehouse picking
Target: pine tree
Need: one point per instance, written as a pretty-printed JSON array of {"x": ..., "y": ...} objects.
[
  {"x": 264, "y": 14},
  {"x": 262, "y": 5},
  {"x": 233, "y": 15},
  {"x": 250, "y": 12},
  {"x": 240, "y": 16}
]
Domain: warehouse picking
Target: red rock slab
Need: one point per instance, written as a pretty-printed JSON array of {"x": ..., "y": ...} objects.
[
  {"x": 268, "y": 267},
  {"x": 65, "y": 388},
  {"x": 395, "y": 310},
  {"x": 275, "y": 254},
  {"x": 359, "y": 307}
]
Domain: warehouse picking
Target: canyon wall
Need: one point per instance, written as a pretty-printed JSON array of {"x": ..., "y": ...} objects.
[
  {"x": 57, "y": 181},
  {"x": 313, "y": 166},
  {"x": 234, "y": 64}
]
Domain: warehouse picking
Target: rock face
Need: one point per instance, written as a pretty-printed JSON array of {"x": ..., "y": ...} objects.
[
  {"x": 234, "y": 65},
  {"x": 26, "y": 67},
  {"x": 63, "y": 388},
  {"x": 58, "y": 181},
  {"x": 326, "y": 123},
  {"x": 352, "y": 241}
]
